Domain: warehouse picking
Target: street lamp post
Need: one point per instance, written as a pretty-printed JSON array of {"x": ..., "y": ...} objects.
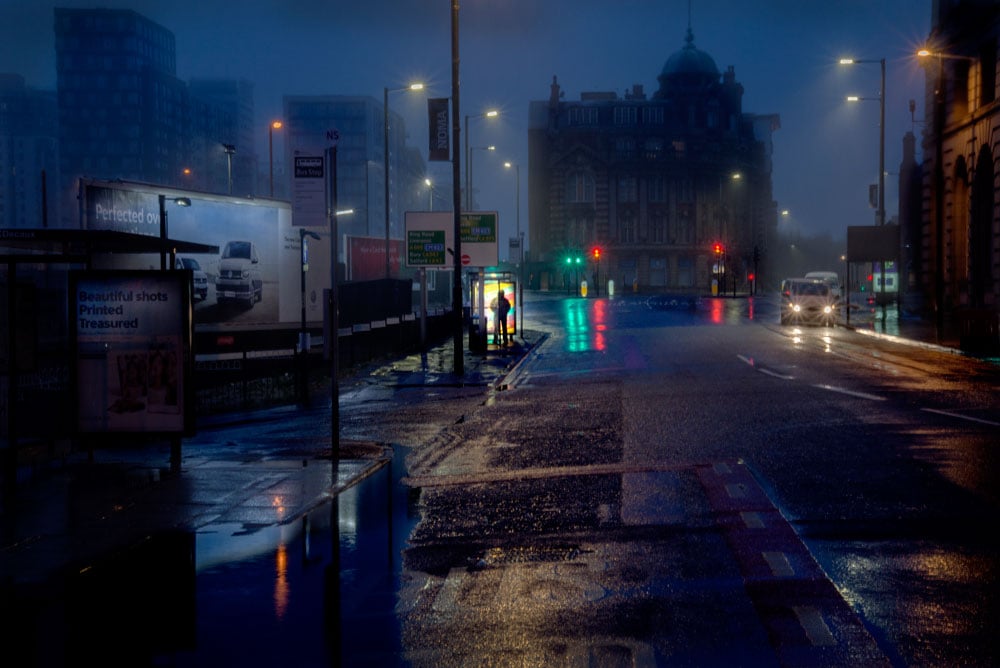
[
  {"x": 880, "y": 211},
  {"x": 430, "y": 194},
  {"x": 303, "y": 334},
  {"x": 385, "y": 161},
  {"x": 275, "y": 125},
  {"x": 230, "y": 149},
  {"x": 468, "y": 174},
  {"x": 492, "y": 113},
  {"x": 520, "y": 260}
]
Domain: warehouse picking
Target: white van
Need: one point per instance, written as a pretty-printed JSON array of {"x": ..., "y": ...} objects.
[
  {"x": 807, "y": 300},
  {"x": 830, "y": 278}
]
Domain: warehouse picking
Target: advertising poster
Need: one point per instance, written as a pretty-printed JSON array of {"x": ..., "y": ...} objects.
[
  {"x": 366, "y": 257},
  {"x": 491, "y": 293},
  {"x": 254, "y": 278},
  {"x": 132, "y": 340}
]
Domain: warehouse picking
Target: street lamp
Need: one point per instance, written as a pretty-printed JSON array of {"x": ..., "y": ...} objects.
[
  {"x": 492, "y": 113},
  {"x": 230, "y": 149},
  {"x": 520, "y": 239},
  {"x": 385, "y": 160},
  {"x": 275, "y": 125},
  {"x": 468, "y": 177},
  {"x": 880, "y": 213},
  {"x": 430, "y": 194}
]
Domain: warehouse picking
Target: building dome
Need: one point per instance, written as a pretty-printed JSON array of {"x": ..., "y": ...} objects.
[{"x": 689, "y": 62}]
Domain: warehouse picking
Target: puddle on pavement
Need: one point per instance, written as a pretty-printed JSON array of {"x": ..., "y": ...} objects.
[{"x": 319, "y": 591}]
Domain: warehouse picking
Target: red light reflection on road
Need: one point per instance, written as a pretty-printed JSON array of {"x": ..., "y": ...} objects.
[
  {"x": 585, "y": 323},
  {"x": 716, "y": 312}
]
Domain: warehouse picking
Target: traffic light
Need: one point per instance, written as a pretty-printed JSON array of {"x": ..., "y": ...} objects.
[
  {"x": 717, "y": 247},
  {"x": 596, "y": 253}
]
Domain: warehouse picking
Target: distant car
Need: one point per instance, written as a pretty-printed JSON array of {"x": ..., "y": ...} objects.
[
  {"x": 200, "y": 280},
  {"x": 831, "y": 278},
  {"x": 239, "y": 273},
  {"x": 807, "y": 301}
]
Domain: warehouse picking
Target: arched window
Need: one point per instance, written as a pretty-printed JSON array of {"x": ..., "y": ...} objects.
[{"x": 580, "y": 188}]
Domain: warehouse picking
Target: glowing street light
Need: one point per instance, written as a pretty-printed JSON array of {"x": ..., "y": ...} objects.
[
  {"x": 880, "y": 213},
  {"x": 492, "y": 113},
  {"x": 275, "y": 125},
  {"x": 385, "y": 160}
]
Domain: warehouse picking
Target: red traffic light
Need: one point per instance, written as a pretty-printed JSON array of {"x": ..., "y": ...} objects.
[
  {"x": 596, "y": 253},
  {"x": 750, "y": 276},
  {"x": 717, "y": 247}
]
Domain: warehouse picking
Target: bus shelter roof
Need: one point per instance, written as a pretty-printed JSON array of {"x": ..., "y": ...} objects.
[{"x": 70, "y": 245}]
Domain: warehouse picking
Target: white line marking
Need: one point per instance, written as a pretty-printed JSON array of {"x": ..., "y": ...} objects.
[
  {"x": 841, "y": 390},
  {"x": 962, "y": 417},
  {"x": 814, "y": 625},
  {"x": 774, "y": 374},
  {"x": 780, "y": 567},
  {"x": 752, "y": 520}
]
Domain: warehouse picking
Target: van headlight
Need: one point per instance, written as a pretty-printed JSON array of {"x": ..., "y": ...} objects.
[
  {"x": 828, "y": 309},
  {"x": 796, "y": 308}
]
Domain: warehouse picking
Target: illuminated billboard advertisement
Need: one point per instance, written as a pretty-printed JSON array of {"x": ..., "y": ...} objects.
[
  {"x": 252, "y": 281},
  {"x": 132, "y": 341}
]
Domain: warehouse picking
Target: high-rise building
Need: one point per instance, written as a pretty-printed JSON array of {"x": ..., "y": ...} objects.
[
  {"x": 360, "y": 159},
  {"x": 29, "y": 168},
  {"x": 222, "y": 112},
  {"x": 124, "y": 114},
  {"x": 672, "y": 190},
  {"x": 122, "y": 109}
]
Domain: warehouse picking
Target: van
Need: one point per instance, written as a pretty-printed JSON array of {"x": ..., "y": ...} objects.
[
  {"x": 831, "y": 278},
  {"x": 807, "y": 301},
  {"x": 239, "y": 274}
]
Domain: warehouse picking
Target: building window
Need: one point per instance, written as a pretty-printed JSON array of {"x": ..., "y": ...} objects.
[
  {"x": 685, "y": 190},
  {"x": 652, "y": 115},
  {"x": 657, "y": 186},
  {"x": 653, "y": 148},
  {"x": 685, "y": 272},
  {"x": 582, "y": 116},
  {"x": 657, "y": 271},
  {"x": 626, "y": 227},
  {"x": 625, "y": 115},
  {"x": 657, "y": 229},
  {"x": 580, "y": 188},
  {"x": 625, "y": 148},
  {"x": 628, "y": 189},
  {"x": 577, "y": 232}
]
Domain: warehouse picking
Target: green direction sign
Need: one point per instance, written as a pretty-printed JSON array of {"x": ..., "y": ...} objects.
[
  {"x": 425, "y": 248},
  {"x": 479, "y": 228}
]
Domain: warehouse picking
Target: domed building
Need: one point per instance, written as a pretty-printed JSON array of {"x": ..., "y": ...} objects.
[{"x": 673, "y": 189}]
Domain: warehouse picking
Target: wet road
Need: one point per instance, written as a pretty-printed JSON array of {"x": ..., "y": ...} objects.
[{"x": 658, "y": 483}]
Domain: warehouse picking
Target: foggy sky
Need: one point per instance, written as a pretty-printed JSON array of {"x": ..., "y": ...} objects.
[{"x": 784, "y": 52}]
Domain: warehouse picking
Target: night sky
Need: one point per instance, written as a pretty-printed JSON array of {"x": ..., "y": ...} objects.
[{"x": 784, "y": 52}]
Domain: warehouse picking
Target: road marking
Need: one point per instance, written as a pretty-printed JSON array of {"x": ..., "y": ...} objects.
[
  {"x": 962, "y": 417},
  {"x": 774, "y": 374},
  {"x": 814, "y": 625},
  {"x": 779, "y": 564},
  {"x": 852, "y": 393},
  {"x": 752, "y": 520}
]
